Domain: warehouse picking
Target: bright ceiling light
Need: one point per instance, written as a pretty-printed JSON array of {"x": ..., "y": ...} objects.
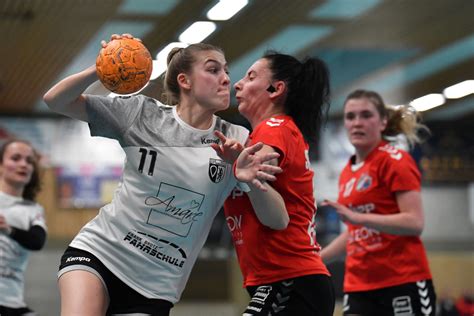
[
  {"x": 225, "y": 9},
  {"x": 459, "y": 90},
  {"x": 197, "y": 32},
  {"x": 159, "y": 65},
  {"x": 428, "y": 102}
]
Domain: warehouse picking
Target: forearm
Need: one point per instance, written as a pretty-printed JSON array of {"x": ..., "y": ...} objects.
[
  {"x": 32, "y": 239},
  {"x": 336, "y": 248},
  {"x": 66, "y": 95},
  {"x": 269, "y": 207},
  {"x": 405, "y": 224}
]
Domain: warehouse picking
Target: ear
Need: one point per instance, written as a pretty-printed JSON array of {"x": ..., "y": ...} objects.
[
  {"x": 280, "y": 88},
  {"x": 183, "y": 81},
  {"x": 384, "y": 124}
]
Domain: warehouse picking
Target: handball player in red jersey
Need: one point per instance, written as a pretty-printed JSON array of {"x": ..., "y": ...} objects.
[
  {"x": 284, "y": 100},
  {"x": 386, "y": 269}
]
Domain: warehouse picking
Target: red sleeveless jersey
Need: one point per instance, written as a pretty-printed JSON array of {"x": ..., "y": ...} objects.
[
  {"x": 374, "y": 259},
  {"x": 266, "y": 255}
]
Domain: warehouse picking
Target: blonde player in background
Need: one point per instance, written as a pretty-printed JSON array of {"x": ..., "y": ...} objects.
[{"x": 386, "y": 269}]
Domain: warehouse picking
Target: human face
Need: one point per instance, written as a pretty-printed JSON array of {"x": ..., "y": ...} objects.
[
  {"x": 363, "y": 124},
  {"x": 210, "y": 82},
  {"x": 251, "y": 91},
  {"x": 18, "y": 164}
]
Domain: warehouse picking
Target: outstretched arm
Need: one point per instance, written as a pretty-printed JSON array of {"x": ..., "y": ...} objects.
[
  {"x": 336, "y": 248},
  {"x": 267, "y": 202},
  {"x": 409, "y": 222},
  {"x": 252, "y": 165}
]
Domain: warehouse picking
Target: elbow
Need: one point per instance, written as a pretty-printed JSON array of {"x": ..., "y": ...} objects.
[
  {"x": 48, "y": 98},
  {"x": 282, "y": 224},
  {"x": 417, "y": 227},
  {"x": 36, "y": 246}
]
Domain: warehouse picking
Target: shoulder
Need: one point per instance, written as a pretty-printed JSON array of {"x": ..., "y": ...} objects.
[
  {"x": 387, "y": 154},
  {"x": 32, "y": 208},
  {"x": 231, "y": 130},
  {"x": 278, "y": 122},
  {"x": 32, "y": 205},
  {"x": 151, "y": 106}
]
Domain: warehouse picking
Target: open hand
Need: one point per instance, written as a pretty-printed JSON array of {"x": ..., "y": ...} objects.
[
  {"x": 116, "y": 36},
  {"x": 229, "y": 149},
  {"x": 250, "y": 166},
  {"x": 347, "y": 215}
]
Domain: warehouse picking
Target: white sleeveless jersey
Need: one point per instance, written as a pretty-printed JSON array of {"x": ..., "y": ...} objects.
[
  {"x": 21, "y": 214},
  {"x": 172, "y": 187}
]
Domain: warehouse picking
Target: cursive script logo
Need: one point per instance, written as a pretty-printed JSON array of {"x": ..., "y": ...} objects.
[
  {"x": 184, "y": 215},
  {"x": 174, "y": 209}
]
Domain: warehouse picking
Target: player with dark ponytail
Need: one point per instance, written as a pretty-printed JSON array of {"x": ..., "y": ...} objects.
[{"x": 285, "y": 101}]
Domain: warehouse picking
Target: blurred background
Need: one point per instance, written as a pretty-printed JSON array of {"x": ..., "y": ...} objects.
[{"x": 411, "y": 51}]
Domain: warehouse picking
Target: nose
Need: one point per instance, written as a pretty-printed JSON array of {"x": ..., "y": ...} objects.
[
  {"x": 226, "y": 79},
  {"x": 237, "y": 85},
  {"x": 357, "y": 120}
]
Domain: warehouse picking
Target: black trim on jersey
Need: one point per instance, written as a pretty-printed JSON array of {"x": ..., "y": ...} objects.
[{"x": 32, "y": 239}]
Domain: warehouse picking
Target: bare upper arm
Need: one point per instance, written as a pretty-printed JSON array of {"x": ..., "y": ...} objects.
[
  {"x": 269, "y": 149},
  {"x": 75, "y": 109},
  {"x": 410, "y": 202}
]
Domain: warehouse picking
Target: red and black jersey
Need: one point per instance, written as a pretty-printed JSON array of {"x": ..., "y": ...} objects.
[
  {"x": 375, "y": 259},
  {"x": 266, "y": 255}
]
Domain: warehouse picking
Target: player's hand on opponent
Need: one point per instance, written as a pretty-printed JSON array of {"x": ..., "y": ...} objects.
[
  {"x": 251, "y": 166},
  {"x": 347, "y": 215},
  {"x": 228, "y": 149},
  {"x": 117, "y": 36}
]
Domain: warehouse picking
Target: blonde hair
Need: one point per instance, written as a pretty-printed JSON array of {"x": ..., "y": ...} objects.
[{"x": 401, "y": 119}]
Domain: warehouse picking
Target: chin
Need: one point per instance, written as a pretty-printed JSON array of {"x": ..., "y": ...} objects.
[{"x": 358, "y": 143}]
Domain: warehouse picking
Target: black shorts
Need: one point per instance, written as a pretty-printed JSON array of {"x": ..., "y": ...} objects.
[
  {"x": 123, "y": 299},
  {"x": 22, "y": 311},
  {"x": 307, "y": 295},
  {"x": 417, "y": 298}
]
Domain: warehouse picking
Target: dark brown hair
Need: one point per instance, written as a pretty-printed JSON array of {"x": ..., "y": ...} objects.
[
  {"x": 34, "y": 186},
  {"x": 307, "y": 100}
]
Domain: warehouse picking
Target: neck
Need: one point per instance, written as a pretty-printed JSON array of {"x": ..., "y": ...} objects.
[
  {"x": 265, "y": 115},
  {"x": 195, "y": 115},
  {"x": 11, "y": 189},
  {"x": 363, "y": 152}
]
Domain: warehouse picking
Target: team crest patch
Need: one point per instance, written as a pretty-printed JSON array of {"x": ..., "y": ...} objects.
[
  {"x": 216, "y": 170},
  {"x": 364, "y": 182}
]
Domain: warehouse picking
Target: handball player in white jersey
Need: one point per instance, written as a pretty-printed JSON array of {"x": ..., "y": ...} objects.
[
  {"x": 22, "y": 223},
  {"x": 135, "y": 256}
]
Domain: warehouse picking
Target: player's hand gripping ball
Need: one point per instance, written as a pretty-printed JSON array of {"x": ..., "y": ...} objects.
[{"x": 124, "y": 66}]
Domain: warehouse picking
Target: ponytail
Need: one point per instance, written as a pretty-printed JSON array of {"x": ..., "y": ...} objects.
[{"x": 307, "y": 100}]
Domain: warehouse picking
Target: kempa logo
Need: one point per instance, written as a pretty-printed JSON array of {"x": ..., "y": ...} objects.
[
  {"x": 80, "y": 259},
  {"x": 209, "y": 140}
]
